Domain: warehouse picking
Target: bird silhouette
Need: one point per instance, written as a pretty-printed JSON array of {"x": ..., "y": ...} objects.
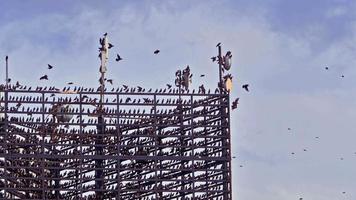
[
  {"x": 218, "y": 44},
  {"x": 44, "y": 77},
  {"x": 234, "y": 103},
  {"x": 118, "y": 57},
  {"x": 109, "y": 81},
  {"x": 245, "y": 86},
  {"x": 202, "y": 75},
  {"x": 326, "y": 68},
  {"x": 156, "y": 51},
  {"x": 213, "y": 58},
  {"x": 70, "y": 83},
  {"x": 169, "y": 86},
  {"x": 342, "y": 76},
  {"x": 50, "y": 66},
  {"x": 110, "y": 46}
]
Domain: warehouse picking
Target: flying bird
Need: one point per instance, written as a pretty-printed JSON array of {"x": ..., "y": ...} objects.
[
  {"x": 157, "y": 51},
  {"x": 110, "y": 46},
  {"x": 234, "y": 103},
  {"x": 50, "y": 66},
  {"x": 245, "y": 86},
  {"x": 109, "y": 81},
  {"x": 342, "y": 76},
  {"x": 44, "y": 77},
  {"x": 326, "y": 68},
  {"x": 213, "y": 58},
  {"x": 202, "y": 75},
  {"x": 169, "y": 86},
  {"x": 70, "y": 83},
  {"x": 118, "y": 57},
  {"x": 289, "y": 129}
]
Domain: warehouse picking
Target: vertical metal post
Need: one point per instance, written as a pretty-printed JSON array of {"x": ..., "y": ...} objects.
[
  {"x": 99, "y": 183},
  {"x": 226, "y": 177},
  {"x": 7, "y": 71},
  {"x": 220, "y": 60}
]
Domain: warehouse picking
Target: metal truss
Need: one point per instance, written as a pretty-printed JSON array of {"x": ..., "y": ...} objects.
[{"x": 66, "y": 144}]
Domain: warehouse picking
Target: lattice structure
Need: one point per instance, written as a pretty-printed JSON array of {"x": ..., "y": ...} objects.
[{"x": 65, "y": 144}]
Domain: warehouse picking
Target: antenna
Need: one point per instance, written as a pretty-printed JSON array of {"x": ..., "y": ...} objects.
[{"x": 7, "y": 71}]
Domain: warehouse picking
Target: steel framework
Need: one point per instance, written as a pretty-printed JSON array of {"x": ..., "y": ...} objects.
[{"x": 135, "y": 144}]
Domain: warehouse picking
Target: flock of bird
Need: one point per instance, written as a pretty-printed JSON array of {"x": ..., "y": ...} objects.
[{"x": 129, "y": 146}]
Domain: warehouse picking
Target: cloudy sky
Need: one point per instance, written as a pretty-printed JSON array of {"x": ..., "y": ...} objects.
[{"x": 281, "y": 48}]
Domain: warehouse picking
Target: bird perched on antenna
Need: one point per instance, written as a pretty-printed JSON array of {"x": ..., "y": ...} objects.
[
  {"x": 218, "y": 44},
  {"x": 118, "y": 58},
  {"x": 44, "y": 77},
  {"x": 156, "y": 51},
  {"x": 50, "y": 66},
  {"x": 245, "y": 86},
  {"x": 234, "y": 103}
]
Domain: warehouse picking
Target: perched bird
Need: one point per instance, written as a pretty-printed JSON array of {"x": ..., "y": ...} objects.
[
  {"x": 234, "y": 103},
  {"x": 50, "y": 66},
  {"x": 118, "y": 57},
  {"x": 213, "y": 58},
  {"x": 169, "y": 86},
  {"x": 18, "y": 84},
  {"x": 218, "y": 44},
  {"x": 156, "y": 52},
  {"x": 202, "y": 75},
  {"x": 139, "y": 88},
  {"x": 245, "y": 86},
  {"x": 109, "y": 81},
  {"x": 44, "y": 77}
]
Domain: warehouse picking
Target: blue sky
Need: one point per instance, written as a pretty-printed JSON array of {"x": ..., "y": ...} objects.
[{"x": 279, "y": 47}]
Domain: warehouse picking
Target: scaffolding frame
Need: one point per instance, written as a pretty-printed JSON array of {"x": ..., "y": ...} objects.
[{"x": 166, "y": 144}]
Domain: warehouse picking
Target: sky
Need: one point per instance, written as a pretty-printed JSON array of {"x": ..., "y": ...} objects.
[{"x": 280, "y": 48}]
